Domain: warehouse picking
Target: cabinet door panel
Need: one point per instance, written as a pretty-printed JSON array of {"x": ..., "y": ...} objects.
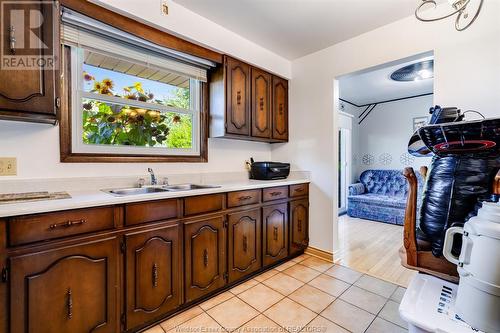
[
  {"x": 205, "y": 256},
  {"x": 244, "y": 243},
  {"x": 152, "y": 273},
  {"x": 261, "y": 103},
  {"x": 72, "y": 289},
  {"x": 238, "y": 97},
  {"x": 280, "y": 109},
  {"x": 299, "y": 225},
  {"x": 275, "y": 233},
  {"x": 29, "y": 90}
]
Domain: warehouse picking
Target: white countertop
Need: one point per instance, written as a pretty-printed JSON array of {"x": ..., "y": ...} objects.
[{"x": 94, "y": 198}]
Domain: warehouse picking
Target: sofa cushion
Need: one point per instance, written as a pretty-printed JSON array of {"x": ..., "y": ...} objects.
[
  {"x": 387, "y": 182},
  {"x": 356, "y": 189},
  {"x": 379, "y": 200}
]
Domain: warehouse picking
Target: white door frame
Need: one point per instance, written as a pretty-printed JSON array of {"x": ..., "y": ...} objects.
[
  {"x": 345, "y": 131},
  {"x": 336, "y": 104}
]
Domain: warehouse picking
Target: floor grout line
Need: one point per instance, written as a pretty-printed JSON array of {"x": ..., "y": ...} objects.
[
  {"x": 208, "y": 314},
  {"x": 287, "y": 296}
]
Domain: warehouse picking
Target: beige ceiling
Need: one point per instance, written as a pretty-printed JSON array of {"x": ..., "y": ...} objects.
[{"x": 294, "y": 28}]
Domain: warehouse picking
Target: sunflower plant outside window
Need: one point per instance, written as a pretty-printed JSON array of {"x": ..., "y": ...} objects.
[{"x": 123, "y": 107}]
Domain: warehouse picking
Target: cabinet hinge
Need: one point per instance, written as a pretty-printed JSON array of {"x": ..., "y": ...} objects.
[
  {"x": 122, "y": 319},
  {"x": 5, "y": 275},
  {"x": 123, "y": 246},
  {"x": 226, "y": 277},
  {"x": 58, "y": 102},
  {"x": 226, "y": 223}
]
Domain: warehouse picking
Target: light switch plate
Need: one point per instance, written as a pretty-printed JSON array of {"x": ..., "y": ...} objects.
[{"x": 8, "y": 166}]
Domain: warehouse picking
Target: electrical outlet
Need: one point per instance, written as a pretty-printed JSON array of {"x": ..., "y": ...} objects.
[{"x": 8, "y": 166}]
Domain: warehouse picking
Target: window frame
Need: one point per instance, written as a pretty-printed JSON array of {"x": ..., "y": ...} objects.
[{"x": 68, "y": 132}]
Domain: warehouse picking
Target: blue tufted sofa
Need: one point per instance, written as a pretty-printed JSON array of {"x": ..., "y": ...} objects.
[{"x": 380, "y": 195}]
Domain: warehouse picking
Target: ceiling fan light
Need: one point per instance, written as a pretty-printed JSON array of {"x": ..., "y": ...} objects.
[
  {"x": 414, "y": 72},
  {"x": 425, "y": 74}
]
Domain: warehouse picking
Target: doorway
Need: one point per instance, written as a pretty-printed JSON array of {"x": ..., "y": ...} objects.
[{"x": 377, "y": 113}]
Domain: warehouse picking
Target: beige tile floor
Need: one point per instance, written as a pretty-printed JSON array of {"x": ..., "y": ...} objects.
[{"x": 306, "y": 295}]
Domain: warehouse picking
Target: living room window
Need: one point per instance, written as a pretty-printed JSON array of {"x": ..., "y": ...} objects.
[{"x": 129, "y": 97}]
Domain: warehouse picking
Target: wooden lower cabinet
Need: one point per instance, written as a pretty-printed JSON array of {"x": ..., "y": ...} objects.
[
  {"x": 138, "y": 265},
  {"x": 152, "y": 273},
  {"x": 274, "y": 233},
  {"x": 68, "y": 289},
  {"x": 204, "y": 256},
  {"x": 244, "y": 248},
  {"x": 299, "y": 225}
]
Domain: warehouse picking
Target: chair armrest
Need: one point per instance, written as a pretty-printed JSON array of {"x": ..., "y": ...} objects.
[
  {"x": 409, "y": 228},
  {"x": 356, "y": 189}
]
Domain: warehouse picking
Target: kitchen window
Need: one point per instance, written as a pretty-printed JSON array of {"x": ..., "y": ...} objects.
[{"x": 129, "y": 97}]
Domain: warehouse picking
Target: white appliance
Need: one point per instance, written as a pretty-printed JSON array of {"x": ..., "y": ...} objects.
[
  {"x": 428, "y": 306},
  {"x": 478, "y": 296}
]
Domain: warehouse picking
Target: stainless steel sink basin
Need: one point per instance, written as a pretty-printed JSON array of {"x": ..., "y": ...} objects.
[
  {"x": 135, "y": 191},
  {"x": 187, "y": 187},
  {"x": 156, "y": 189}
]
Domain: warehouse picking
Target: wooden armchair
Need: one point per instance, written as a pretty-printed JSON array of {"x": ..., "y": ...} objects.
[{"x": 415, "y": 254}]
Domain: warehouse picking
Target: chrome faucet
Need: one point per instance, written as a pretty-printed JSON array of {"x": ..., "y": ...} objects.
[{"x": 153, "y": 177}]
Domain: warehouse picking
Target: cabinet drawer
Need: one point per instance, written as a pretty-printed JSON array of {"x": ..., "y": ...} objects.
[
  {"x": 142, "y": 212},
  {"x": 241, "y": 198},
  {"x": 33, "y": 228},
  {"x": 275, "y": 193},
  {"x": 203, "y": 204},
  {"x": 299, "y": 190}
]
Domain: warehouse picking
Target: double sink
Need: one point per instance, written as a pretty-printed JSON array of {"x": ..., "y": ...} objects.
[{"x": 157, "y": 189}]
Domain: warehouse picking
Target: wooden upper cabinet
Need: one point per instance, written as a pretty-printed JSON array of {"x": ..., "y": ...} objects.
[
  {"x": 280, "y": 109},
  {"x": 204, "y": 256},
  {"x": 274, "y": 233},
  {"x": 71, "y": 289},
  {"x": 244, "y": 243},
  {"x": 152, "y": 273},
  {"x": 238, "y": 93},
  {"x": 261, "y": 103},
  {"x": 247, "y": 103},
  {"x": 29, "y": 93},
  {"x": 299, "y": 225}
]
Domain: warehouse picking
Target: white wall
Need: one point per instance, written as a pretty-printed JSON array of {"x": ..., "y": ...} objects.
[
  {"x": 467, "y": 74},
  {"x": 198, "y": 29},
  {"x": 37, "y": 150},
  {"x": 36, "y": 146},
  {"x": 386, "y": 130}
]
